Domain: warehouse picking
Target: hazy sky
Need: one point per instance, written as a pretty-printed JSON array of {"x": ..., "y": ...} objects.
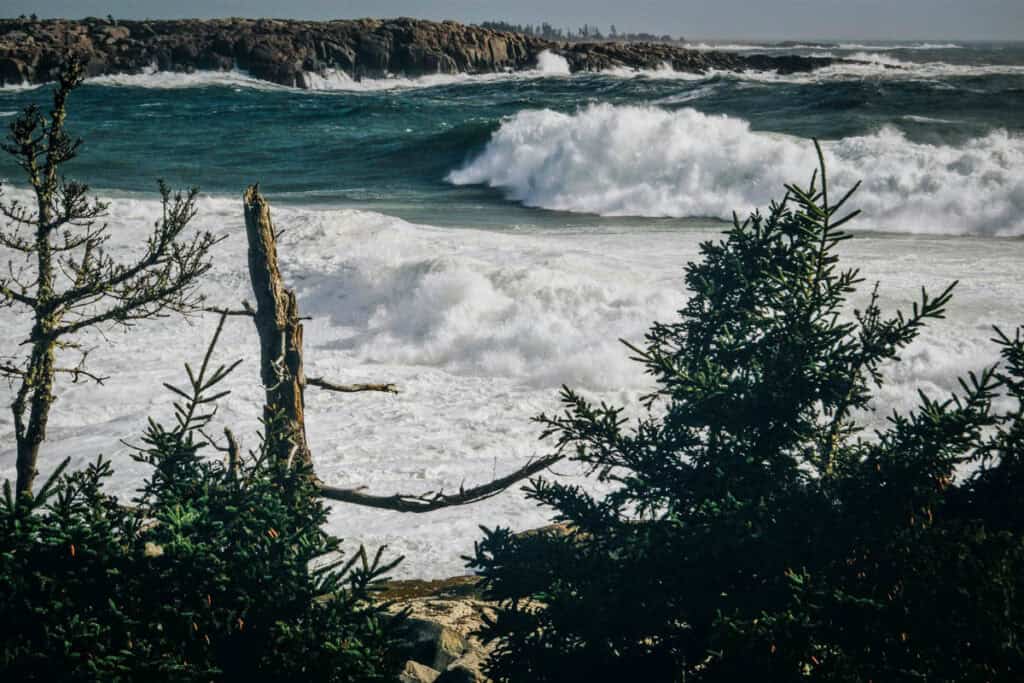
[{"x": 879, "y": 19}]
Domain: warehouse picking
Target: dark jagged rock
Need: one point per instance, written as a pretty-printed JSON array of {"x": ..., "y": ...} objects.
[
  {"x": 286, "y": 51},
  {"x": 604, "y": 56}
]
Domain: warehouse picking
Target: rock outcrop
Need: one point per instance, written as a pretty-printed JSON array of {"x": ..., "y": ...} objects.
[
  {"x": 279, "y": 51},
  {"x": 610, "y": 55},
  {"x": 438, "y": 637},
  {"x": 288, "y": 51}
]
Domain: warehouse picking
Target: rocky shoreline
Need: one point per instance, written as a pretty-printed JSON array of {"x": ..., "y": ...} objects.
[{"x": 286, "y": 52}]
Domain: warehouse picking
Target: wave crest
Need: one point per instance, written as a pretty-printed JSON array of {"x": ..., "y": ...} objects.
[{"x": 647, "y": 161}]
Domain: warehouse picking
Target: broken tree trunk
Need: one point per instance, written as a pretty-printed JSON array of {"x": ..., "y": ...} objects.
[{"x": 280, "y": 331}]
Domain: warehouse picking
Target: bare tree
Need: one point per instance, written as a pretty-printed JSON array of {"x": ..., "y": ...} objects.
[
  {"x": 61, "y": 274},
  {"x": 281, "y": 369}
]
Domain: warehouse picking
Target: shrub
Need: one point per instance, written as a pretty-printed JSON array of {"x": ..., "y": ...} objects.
[
  {"x": 754, "y": 532},
  {"x": 206, "y": 577}
]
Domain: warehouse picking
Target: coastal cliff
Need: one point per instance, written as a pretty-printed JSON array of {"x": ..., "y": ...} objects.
[{"x": 287, "y": 51}]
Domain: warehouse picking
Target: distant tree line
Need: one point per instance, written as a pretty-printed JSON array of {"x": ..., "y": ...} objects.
[{"x": 587, "y": 32}]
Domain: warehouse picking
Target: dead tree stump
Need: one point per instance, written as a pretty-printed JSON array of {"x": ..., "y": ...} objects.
[
  {"x": 280, "y": 332},
  {"x": 278, "y": 324}
]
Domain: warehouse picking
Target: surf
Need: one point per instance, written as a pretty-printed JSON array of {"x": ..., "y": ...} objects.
[{"x": 653, "y": 162}]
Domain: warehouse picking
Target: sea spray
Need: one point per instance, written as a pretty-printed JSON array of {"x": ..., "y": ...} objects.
[
  {"x": 551, "y": 64},
  {"x": 647, "y": 161}
]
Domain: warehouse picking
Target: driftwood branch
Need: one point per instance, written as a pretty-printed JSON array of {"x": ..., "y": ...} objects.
[
  {"x": 321, "y": 383},
  {"x": 431, "y": 502}
]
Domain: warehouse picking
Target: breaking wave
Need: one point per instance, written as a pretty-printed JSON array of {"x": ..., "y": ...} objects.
[
  {"x": 550, "y": 63},
  {"x": 173, "y": 80},
  {"x": 647, "y": 161}
]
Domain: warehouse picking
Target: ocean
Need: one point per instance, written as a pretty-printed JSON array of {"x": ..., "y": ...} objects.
[{"x": 482, "y": 240}]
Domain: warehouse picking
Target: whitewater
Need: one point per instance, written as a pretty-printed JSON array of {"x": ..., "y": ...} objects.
[{"x": 481, "y": 241}]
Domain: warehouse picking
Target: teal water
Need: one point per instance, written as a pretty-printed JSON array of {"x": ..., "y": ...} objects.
[{"x": 393, "y": 150}]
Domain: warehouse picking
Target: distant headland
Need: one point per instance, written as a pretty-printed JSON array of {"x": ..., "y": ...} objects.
[{"x": 286, "y": 52}]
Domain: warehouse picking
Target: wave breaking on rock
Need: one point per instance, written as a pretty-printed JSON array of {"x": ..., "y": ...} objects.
[{"x": 295, "y": 53}]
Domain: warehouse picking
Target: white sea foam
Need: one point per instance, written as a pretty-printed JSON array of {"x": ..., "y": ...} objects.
[
  {"x": 172, "y": 80},
  {"x": 648, "y": 161},
  {"x": 894, "y": 66},
  {"x": 866, "y": 64},
  {"x": 338, "y": 80},
  {"x": 663, "y": 72},
  {"x": 550, "y": 63},
  {"x": 895, "y": 46},
  {"x": 927, "y": 119},
  {"x": 327, "y": 80},
  {"x": 10, "y": 87},
  {"x": 858, "y": 67},
  {"x": 478, "y": 329}
]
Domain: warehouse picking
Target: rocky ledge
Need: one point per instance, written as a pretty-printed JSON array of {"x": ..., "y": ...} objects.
[
  {"x": 286, "y": 51},
  {"x": 438, "y": 640}
]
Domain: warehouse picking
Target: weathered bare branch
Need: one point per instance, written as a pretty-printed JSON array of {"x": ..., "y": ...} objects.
[
  {"x": 431, "y": 502},
  {"x": 8, "y": 370},
  {"x": 74, "y": 207},
  {"x": 321, "y": 383},
  {"x": 7, "y": 292},
  {"x": 78, "y": 373},
  {"x": 15, "y": 212},
  {"x": 15, "y": 241},
  {"x": 245, "y": 312},
  {"x": 164, "y": 255},
  {"x": 75, "y": 283}
]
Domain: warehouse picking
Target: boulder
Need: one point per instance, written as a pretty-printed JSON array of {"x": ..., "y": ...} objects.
[
  {"x": 466, "y": 669},
  {"x": 414, "y": 672},
  {"x": 430, "y": 643},
  {"x": 113, "y": 34}
]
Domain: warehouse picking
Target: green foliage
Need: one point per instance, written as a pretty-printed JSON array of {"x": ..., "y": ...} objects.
[
  {"x": 217, "y": 572},
  {"x": 754, "y": 532}
]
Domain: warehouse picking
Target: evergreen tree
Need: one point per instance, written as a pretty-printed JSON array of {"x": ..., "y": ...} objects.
[
  {"x": 218, "y": 571},
  {"x": 754, "y": 531}
]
